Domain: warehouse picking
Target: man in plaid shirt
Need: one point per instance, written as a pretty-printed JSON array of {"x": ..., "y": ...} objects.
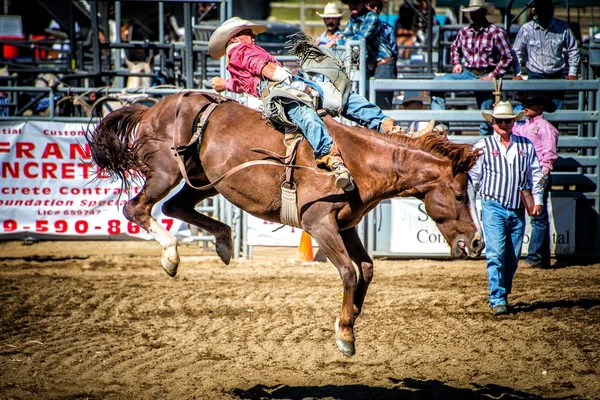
[
  {"x": 381, "y": 56},
  {"x": 485, "y": 49}
]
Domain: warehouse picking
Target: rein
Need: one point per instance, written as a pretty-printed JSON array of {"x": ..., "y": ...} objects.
[{"x": 205, "y": 112}]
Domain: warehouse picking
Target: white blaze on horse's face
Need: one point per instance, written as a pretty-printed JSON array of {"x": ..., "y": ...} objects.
[{"x": 475, "y": 215}]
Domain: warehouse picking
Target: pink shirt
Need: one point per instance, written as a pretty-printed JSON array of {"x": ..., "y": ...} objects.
[
  {"x": 245, "y": 64},
  {"x": 544, "y": 137}
]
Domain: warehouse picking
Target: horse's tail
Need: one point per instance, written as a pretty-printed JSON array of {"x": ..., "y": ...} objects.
[{"x": 113, "y": 146}]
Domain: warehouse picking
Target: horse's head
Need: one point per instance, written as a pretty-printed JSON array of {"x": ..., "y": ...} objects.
[
  {"x": 47, "y": 80},
  {"x": 140, "y": 67},
  {"x": 452, "y": 206},
  {"x": 449, "y": 197}
]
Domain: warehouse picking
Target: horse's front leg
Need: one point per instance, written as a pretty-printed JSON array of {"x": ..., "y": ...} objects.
[
  {"x": 139, "y": 211},
  {"x": 361, "y": 258},
  {"x": 330, "y": 241}
]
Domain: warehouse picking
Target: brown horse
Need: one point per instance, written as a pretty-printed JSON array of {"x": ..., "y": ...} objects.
[{"x": 430, "y": 168}]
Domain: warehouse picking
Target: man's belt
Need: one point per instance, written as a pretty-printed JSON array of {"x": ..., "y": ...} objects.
[
  {"x": 385, "y": 61},
  {"x": 481, "y": 71},
  {"x": 380, "y": 62}
]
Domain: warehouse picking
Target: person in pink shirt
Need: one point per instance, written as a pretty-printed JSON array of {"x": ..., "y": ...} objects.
[
  {"x": 544, "y": 137},
  {"x": 253, "y": 69}
]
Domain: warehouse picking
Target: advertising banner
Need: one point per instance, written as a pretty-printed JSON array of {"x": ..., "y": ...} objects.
[
  {"x": 413, "y": 232},
  {"x": 50, "y": 187}
]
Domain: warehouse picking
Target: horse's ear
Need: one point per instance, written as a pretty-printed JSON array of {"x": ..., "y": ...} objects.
[
  {"x": 129, "y": 63},
  {"x": 464, "y": 160},
  {"x": 150, "y": 59}
]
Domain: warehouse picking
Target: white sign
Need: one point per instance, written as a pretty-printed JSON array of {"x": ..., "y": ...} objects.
[
  {"x": 413, "y": 232},
  {"x": 265, "y": 233},
  {"x": 46, "y": 186}
]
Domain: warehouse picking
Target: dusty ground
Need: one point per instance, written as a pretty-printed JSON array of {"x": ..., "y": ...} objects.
[{"x": 101, "y": 320}]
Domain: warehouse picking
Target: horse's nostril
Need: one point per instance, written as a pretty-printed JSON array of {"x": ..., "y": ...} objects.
[{"x": 476, "y": 243}]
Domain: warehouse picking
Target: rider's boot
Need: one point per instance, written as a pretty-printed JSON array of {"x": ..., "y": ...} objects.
[{"x": 334, "y": 162}]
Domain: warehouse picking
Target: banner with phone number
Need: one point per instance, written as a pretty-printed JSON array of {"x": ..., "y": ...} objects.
[{"x": 46, "y": 186}]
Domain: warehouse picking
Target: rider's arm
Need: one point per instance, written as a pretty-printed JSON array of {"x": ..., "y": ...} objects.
[{"x": 274, "y": 72}]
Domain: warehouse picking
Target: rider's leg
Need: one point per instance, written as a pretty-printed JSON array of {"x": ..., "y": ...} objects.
[{"x": 325, "y": 151}]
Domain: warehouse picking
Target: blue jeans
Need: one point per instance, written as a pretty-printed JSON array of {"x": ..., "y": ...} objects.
[
  {"x": 357, "y": 109},
  {"x": 539, "y": 243},
  {"x": 558, "y": 97},
  {"x": 503, "y": 229},
  {"x": 485, "y": 101},
  {"x": 384, "y": 71},
  {"x": 312, "y": 127}
]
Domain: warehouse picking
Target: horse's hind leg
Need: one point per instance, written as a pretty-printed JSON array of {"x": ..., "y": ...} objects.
[
  {"x": 359, "y": 255},
  {"x": 181, "y": 206}
]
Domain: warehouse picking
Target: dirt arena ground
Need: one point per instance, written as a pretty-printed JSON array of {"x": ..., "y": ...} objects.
[{"x": 101, "y": 320}]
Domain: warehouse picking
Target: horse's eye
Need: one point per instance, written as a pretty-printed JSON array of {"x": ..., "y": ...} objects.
[{"x": 460, "y": 198}]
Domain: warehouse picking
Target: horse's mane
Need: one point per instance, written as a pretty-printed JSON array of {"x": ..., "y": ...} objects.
[{"x": 462, "y": 156}]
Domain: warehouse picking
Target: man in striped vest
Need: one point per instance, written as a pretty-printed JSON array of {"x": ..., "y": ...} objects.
[{"x": 508, "y": 165}]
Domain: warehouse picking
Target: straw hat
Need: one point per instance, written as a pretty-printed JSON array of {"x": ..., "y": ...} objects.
[
  {"x": 223, "y": 34},
  {"x": 475, "y": 5},
  {"x": 331, "y": 11},
  {"x": 503, "y": 110}
]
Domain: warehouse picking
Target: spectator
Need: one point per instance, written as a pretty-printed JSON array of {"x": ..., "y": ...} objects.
[
  {"x": 544, "y": 137},
  {"x": 331, "y": 18},
  {"x": 486, "y": 52},
  {"x": 540, "y": 44},
  {"x": 507, "y": 165},
  {"x": 253, "y": 70},
  {"x": 381, "y": 63},
  {"x": 411, "y": 25},
  {"x": 388, "y": 31}
]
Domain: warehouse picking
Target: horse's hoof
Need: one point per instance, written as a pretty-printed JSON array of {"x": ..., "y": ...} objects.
[
  {"x": 347, "y": 348},
  {"x": 170, "y": 261},
  {"x": 225, "y": 250}
]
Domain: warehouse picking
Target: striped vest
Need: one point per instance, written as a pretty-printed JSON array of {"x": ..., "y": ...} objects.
[{"x": 500, "y": 180}]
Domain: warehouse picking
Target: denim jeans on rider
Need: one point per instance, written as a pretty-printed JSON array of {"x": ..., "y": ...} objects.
[
  {"x": 485, "y": 100},
  {"x": 312, "y": 126},
  {"x": 503, "y": 229},
  {"x": 539, "y": 242}
]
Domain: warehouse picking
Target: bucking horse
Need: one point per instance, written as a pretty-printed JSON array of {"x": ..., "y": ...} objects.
[{"x": 220, "y": 146}]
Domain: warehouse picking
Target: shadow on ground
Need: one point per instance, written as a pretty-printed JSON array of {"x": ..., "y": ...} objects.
[
  {"x": 548, "y": 305},
  {"x": 408, "y": 388}
]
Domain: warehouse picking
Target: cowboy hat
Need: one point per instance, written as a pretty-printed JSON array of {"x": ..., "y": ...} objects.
[
  {"x": 223, "y": 34},
  {"x": 475, "y": 5},
  {"x": 502, "y": 110},
  {"x": 539, "y": 100},
  {"x": 331, "y": 11}
]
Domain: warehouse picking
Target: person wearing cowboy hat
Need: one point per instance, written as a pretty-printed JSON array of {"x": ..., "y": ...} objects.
[
  {"x": 487, "y": 55},
  {"x": 508, "y": 164},
  {"x": 253, "y": 69},
  {"x": 544, "y": 137},
  {"x": 381, "y": 57},
  {"x": 332, "y": 17},
  {"x": 540, "y": 45}
]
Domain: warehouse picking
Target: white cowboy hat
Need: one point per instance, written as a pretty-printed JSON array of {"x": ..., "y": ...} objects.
[
  {"x": 223, "y": 34},
  {"x": 475, "y": 5},
  {"x": 331, "y": 11},
  {"x": 503, "y": 110}
]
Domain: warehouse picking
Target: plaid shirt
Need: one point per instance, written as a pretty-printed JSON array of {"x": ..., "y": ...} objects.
[
  {"x": 542, "y": 49},
  {"x": 369, "y": 27},
  {"x": 485, "y": 48}
]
